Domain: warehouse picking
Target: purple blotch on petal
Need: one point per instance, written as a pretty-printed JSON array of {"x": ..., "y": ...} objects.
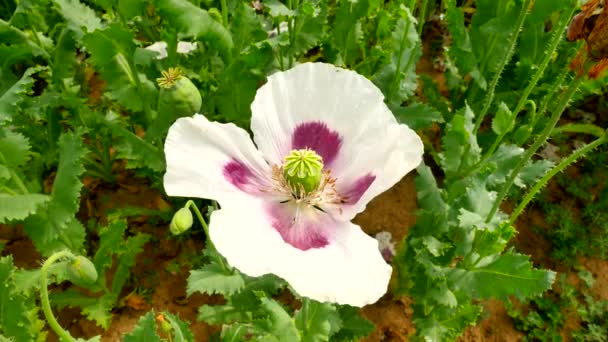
[
  {"x": 300, "y": 234},
  {"x": 318, "y": 137},
  {"x": 354, "y": 191},
  {"x": 238, "y": 174}
]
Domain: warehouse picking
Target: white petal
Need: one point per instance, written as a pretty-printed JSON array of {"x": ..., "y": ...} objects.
[
  {"x": 388, "y": 156},
  {"x": 199, "y": 151},
  {"x": 351, "y": 107},
  {"x": 160, "y": 48},
  {"x": 342, "y": 99},
  {"x": 185, "y": 47},
  {"x": 350, "y": 270}
]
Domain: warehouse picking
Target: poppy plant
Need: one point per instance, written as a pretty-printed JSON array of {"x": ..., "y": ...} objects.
[{"x": 326, "y": 145}]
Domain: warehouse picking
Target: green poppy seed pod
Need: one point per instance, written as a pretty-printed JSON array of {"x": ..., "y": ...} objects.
[
  {"x": 303, "y": 170},
  {"x": 178, "y": 95},
  {"x": 81, "y": 270},
  {"x": 182, "y": 221}
]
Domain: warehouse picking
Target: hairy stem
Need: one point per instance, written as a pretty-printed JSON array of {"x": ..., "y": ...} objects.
[
  {"x": 44, "y": 296},
  {"x": 555, "y": 39},
  {"x": 507, "y": 57},
  {"x": 559, "y": 168},
  {"x": 540, "y": 140}
]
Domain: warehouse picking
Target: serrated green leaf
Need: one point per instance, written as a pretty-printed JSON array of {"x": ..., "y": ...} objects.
[
  {"x": 132, "y": 246},
  {"x": 192, "y": 21},
  {"x": 246, "y": 27},
  {"x": 109, "y": 238},
  {"x": 17, "y": 40},
  {"x": 10, "y": 99},
  {"x": 508, "y": 274},
  {"x": 397, "y": 79},
  {"x": 456, "y": 141},
  {"x": 532, "y": 172},
  {"x": 112, "y": 49},
  {"x": 56, "y": 226},
  {"x": 19, "y": 207},
  {"x": 461, "y": 49},
  {"x": 279, "y": 323},
  {"x": 442, "y": 295},
  {"x": 503, "y": 161},
  {"x": 181, "y": 330},
  {"x": 347, "y": 29},
  {"x": 221, "y": 314},
  {"x": 138, "y": 152},
  {"x": 502, "y": 123},
  {"x": 317, "y": 321},
  {"x": 144, "y": 331},
  {"x": 239, "y": 83},
  {"x": 278, "y": 10},
  {"x": 97, "y": 309},
  {"x": 309, "y": 26},
  {"x": 18, "y": 311},
  {"x": 354, "y": 327},
  {"x": 78, "y": 17},
  {"x": 434, "y": 246},
  {"x": 14, "y": 149},
  {"x": 417, "y": 115},
  {"x": 212, "y": 279},
  {"x": 431, "y": 330}
]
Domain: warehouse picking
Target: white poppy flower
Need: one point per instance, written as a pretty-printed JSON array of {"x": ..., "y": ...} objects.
[
  {"x": 161, "y": 48},
  {"x": 332, "y": 127}
]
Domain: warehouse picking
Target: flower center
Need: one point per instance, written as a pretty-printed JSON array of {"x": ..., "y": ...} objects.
[{"x": 303, "y": 171}]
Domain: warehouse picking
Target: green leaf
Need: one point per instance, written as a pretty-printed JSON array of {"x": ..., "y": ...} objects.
[
  {"x": 221, "y": 314},
  {"x": 417, "y": 115},
  {"x": 279, "y": 323},
  {"x": 181, "y": 330},
  {"x": 461, "y": 49},
  {"x": 97, "y": 309},
  {"x": 397, "y": 79},
  {"x": 317, "y": 321},
  {"x": 354, "y": 327},
  {"x": 246, "y": 27},
  {"x": 144, "y": 331},
  {"x": 277, "y": 9},
  {"x": 502, "y": 123},
  {"x": 457, "y": 140},
  {"x": 346, "y": 29},
  {"x": 138, "y": 152},
  {"x": 14, "y": 149},
  {"x": 532, "y": 172},
  {"x": 18, "y": 311},
  {"x": 132, "y": 246},
  {"x": 442, "y": 295},
  {"x": 239, "y": 83},
  {"x": 109, "y": 238},
  {"x": 56, "y": 226},
  {"x": 112, "y": 50},
  {"x": 78, "y": 17},
  {"x": 192, "y": 21},
  {"x": 500, "y": 277},
  {"x": 309, "y": 27},
  {"x": 213, "y": 279},
  {"x": 431, "y": 330},
  {"x": 19, "y": 207},
  {"x": 434, "y": 246},
  {"x": 10, "y": 100}
]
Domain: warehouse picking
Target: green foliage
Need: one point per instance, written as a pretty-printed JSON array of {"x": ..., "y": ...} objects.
[
  {"x": 113, "y": 249},
  {"x": 18, "y": 311},
  {"x": 145, "y": 330},
  {"x": 55, "y": 226}
]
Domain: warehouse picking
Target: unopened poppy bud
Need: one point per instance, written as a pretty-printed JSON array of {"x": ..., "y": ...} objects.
[
  {"x": 303, "y": 170},
  {"x": 81, "y": 270},
  {"x": 181, "y": 222}
]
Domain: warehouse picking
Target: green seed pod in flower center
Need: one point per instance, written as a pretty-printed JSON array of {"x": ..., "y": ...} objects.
[{"x": 303, "y": 169}]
